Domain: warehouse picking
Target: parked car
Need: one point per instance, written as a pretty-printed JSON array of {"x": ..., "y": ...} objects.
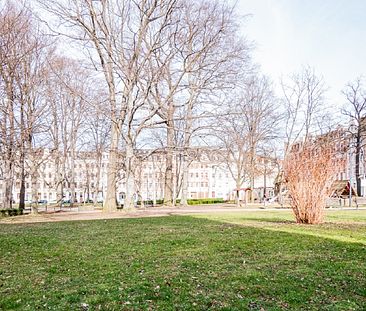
[{"x": 42, "y": 202}]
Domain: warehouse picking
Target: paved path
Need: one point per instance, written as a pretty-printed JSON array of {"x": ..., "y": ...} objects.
[{"x": 147, "y": 212}]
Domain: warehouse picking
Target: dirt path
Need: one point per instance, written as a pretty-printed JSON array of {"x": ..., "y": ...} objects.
[{"x": 148, "y": 212}]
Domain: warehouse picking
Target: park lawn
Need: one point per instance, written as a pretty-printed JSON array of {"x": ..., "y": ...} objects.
[
  {"x": 238, "y": 261},
  {"x": 341, "y": 225}
]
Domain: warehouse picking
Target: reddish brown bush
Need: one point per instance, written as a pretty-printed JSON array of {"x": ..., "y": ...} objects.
[{"x": 310, "y": 170}]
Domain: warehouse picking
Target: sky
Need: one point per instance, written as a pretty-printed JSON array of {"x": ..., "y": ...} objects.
[{"x": 328, "y": 35}]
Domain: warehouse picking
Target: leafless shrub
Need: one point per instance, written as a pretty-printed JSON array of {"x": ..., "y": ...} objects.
[{"x": 310, "y": 170}]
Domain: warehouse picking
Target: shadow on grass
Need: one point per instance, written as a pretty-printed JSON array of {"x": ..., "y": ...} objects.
[
  {"x": 269, "y": 220},
  {"x": 178, "y": 262}
]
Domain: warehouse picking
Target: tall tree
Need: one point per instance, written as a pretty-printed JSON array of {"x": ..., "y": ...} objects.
[
  {"x": 304, "y": 110},
  {"x": 69, "y": 95},
  {"x": 120, "y": 37},
  {"x": 22, "y": 72},
  {"x": 304, "y": 105},
  {"x": 248, "y": 124}
]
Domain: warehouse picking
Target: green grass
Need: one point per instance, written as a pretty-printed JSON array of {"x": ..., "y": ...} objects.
[
  {"x": 341, "y": 225},
  {"x": 238, "y": 261}
]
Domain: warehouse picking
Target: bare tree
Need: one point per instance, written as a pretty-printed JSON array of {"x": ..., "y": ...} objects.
[
  {"x": 96, "y": 137},
  {"x": 120, "y": 38},
  {"x": 68, "y": 96},
  {"x": 22, "y": 72},
  {"x": 246, "y": 127},
  {"x": 304, "y": 106},
  {"x": 212, "y": 66},
  {"x": 260, "y": 114},
  {"x": 14, "y": 27},
  {"x": 304, "y": 110}
]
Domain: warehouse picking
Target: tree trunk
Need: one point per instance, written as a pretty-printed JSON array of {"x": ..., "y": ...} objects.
[
  {"x": 8, "y": 173},
  {"x": 97, "y": 185},
  {"x": 110, "y": 204},
  {"x": 59, "y": 181},
  {"x": 168, "y": 184},
  {"x": 252, "y": 189},
  {"x": 237, "y": 197},
  {"x": 72, "y": 177},
  {"x": 184, "y": 198},
  {"x": 22, "y": 191},
  {"x": 10, "y": 153},
  {"x": 265, "y": 182},
  {"x": 35, "y": 198},
  {"x": 187, "y": 141},
  {"x": 130, "y": 181},
  {"x": 252, "y": 172},
  {"x": 22, "y": 160},
  {"x": 358, "y": 156}
]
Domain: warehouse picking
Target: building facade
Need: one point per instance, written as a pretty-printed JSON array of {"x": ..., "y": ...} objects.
[{"x": 86, "y": 177}]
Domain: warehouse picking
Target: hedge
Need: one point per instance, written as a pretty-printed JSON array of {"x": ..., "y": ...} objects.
[
  {"x": 189, "y": 201},
  {"x": 11, "y": 212},
  {"x": 205, "y": 201}
]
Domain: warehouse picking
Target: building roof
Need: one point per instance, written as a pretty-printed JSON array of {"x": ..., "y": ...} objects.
[{"x": 342, "y": 188}]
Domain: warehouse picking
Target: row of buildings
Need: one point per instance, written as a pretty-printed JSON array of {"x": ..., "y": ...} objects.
[{"x": 209, "y": 177}]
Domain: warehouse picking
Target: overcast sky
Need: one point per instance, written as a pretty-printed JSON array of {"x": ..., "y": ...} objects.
[{"x": 329, "y": 35}]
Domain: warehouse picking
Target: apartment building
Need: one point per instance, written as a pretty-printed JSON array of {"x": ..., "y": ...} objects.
[{"x": 208, "y": 178}]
